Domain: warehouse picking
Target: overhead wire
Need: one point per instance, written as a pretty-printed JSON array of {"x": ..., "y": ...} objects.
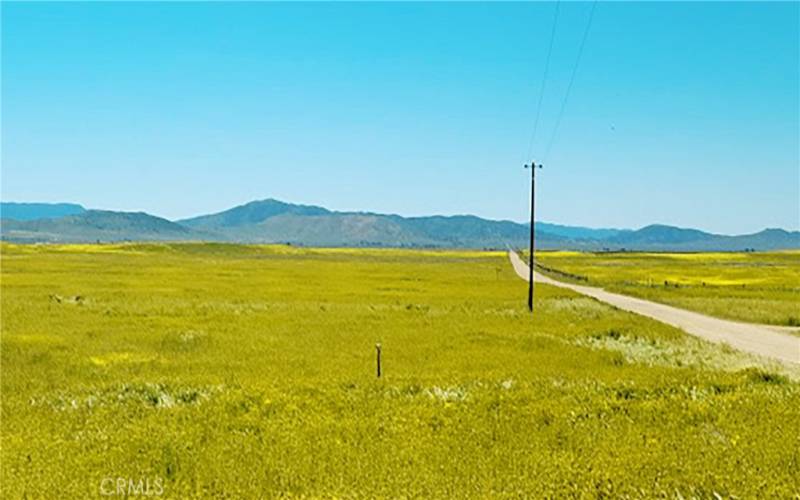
[
  {"x": 544, "y": 81},
  {"x": 571, "y": 82}
]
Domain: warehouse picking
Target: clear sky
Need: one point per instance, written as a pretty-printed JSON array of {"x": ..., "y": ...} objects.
[{"x": 680, "y": 113}]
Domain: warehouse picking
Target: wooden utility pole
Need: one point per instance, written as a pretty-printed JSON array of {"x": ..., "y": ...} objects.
[
  {"x": 378, "y": 358},
  {"x": 533, "y": 166}
]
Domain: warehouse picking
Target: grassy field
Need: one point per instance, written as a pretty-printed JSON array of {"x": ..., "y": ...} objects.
[
  {"x": 247, "y": 372},
  {"x": 751, "y": 287}
]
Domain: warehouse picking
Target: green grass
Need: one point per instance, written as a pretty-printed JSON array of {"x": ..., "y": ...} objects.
[
  {"x": 246, "y": 372},
  {"x": 750, "y": 287}
]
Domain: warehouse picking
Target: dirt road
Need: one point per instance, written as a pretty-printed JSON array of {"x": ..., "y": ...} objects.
[{"x": 757, "y": 339}]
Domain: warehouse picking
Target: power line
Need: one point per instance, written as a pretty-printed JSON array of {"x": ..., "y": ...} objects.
[
  {"x": 544, "y": 80},
  {"x": 571, "y": 81}
]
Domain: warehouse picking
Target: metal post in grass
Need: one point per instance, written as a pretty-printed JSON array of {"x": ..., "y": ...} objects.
[
  {"x": 378, "y": 358},
  {"x": 533, "y": 166}
]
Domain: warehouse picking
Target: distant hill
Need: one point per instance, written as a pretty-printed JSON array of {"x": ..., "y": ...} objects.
[
  {"x": 34, "y": 211},
  {"x": 579, "y": 233},
  {"x": 273, "y": 221},
  {"x": 250, "y": 213},
  {"x": 769, "y": 238},
  {"x": 658, "y": 234},
  {"x": 658, "y": 237},
  {"x": 94, "y": 225}
]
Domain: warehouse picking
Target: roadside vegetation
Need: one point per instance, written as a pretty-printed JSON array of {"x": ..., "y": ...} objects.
[
  {"x": 751, "y": 287},
  {"x": 249, "y": 371}
]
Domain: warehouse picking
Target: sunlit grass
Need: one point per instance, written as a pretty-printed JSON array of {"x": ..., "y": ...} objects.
[
  {"x": 249, "y": 372},
  {"x": 753, "y": 287}
]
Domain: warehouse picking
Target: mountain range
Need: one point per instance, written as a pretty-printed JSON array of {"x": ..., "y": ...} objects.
[{"x": 273, "y": 221}]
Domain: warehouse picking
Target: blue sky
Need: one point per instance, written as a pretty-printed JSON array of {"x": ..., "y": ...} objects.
[{"x": 680, "y": 113}]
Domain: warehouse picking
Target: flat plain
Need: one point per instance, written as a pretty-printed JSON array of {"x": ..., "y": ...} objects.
[
  {"x": 756, "y": 287},
  {"x": 249, "y": 371}
]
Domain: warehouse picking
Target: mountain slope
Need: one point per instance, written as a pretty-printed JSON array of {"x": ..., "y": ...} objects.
[
  {"x": 273, "y": 221},
  {"x": 34, "y": 211},
  {"x": 340, "y": 229},
  {"x": 659, "y": 234},
  {"x": 659, "y": 237},
  {"x": 94, "y": 225},
  {"x": 250, "y": 213},
  {"x": 768, "y": 239},
  {"x": 577, "y": 232}
]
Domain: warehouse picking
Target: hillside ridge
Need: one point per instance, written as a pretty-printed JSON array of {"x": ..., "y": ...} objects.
[{"x": 275, "y": 221}]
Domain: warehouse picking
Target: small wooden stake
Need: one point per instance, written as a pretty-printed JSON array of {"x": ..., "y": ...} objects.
[{"x": 378, "y": 352}]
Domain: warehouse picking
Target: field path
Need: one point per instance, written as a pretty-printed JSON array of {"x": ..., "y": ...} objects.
[{"x": 757, "y": 339}]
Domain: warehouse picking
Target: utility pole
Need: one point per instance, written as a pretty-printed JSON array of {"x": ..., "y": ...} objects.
[
  {"x": 533, "y": 166},
  {"x": 378, "y": 358}
]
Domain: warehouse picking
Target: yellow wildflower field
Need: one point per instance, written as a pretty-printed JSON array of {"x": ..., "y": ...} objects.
[{"x": 250, "y": 372}]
